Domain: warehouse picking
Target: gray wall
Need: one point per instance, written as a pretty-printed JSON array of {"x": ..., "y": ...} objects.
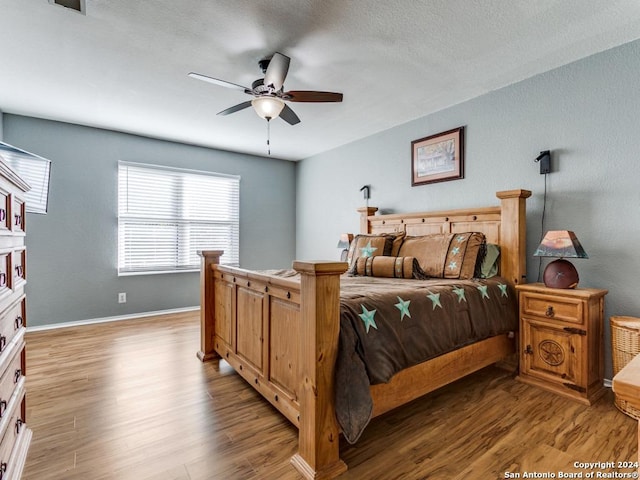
[
  {"x": 72, "y": 251},
  {"x": 587, "y": 113}
]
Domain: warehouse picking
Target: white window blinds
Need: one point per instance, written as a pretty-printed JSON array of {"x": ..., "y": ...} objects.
[{"x": 166, "y": 215}]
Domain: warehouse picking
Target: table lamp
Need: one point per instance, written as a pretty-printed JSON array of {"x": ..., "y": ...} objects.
[
  {"x": 562, "y": 244},
  {"x": 343, "y": 243}
]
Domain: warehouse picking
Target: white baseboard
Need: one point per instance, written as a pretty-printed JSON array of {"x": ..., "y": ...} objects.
[{"x": 39, "y": 328}]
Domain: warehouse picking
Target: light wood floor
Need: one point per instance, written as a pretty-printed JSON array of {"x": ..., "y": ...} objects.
[{"x": 130, "y": 401}]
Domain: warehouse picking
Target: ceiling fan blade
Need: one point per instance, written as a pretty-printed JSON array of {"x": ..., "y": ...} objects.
[
  {"x": 235, "y": 108},
  {"x": 277, "y": 71},
  {"x": 289, "y": 115},
  {"x": 311, "y": 96},
  {"x": 215, "y": 81}
]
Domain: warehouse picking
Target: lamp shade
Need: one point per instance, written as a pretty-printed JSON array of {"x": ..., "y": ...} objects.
[
  {"x": 345, "y": 240},
  {"x": 267, "y": 107},
  {"x": 561, "y": 244},
  {"x": 343, "y": 243}
]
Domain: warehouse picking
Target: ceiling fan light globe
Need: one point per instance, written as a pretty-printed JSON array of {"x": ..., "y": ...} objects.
[{"x": 267, "y": 107}]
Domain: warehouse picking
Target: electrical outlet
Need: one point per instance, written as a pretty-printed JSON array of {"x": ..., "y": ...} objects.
[{"x": 122, "y": 297}]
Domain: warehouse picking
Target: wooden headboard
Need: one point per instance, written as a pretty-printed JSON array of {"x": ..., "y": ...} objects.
[{"x": 505, "y": 225}]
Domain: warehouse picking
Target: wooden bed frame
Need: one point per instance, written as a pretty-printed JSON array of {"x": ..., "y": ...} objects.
[{"x": 281, "y": 335}]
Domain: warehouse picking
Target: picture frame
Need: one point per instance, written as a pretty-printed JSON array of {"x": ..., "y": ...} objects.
[{"x": 438, "y": 158}]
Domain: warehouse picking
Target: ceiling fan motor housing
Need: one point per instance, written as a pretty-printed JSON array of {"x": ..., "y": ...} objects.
[
  {"x": 258, "y": 87},
  {"x": 264, "y": 64}
]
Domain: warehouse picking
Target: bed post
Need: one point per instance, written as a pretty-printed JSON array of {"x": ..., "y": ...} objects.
[
  {"x": 207, "y": 304},
  {"x": 318, "y": 454},
  {"x": 513, "y": 235},
  {"x": 364, "y": 218}
]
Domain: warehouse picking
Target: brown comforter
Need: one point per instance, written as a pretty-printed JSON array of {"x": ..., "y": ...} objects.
[{"x": 390, "y": 324}]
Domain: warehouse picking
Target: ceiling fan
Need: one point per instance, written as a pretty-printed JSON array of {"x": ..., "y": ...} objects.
[{"x": 268, "y": 92}]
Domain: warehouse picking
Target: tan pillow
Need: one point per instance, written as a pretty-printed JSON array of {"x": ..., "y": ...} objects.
[
  {"x": 373, "y": 245},
  {"x": 429, "y": 250},
  {"x": 462, "y": 256},
  {"x": 445, "y": 255},
  {"x": 389, "y": 267}
]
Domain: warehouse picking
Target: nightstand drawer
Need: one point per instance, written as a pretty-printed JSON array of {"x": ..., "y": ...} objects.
[{"x": 556, "y": 308}]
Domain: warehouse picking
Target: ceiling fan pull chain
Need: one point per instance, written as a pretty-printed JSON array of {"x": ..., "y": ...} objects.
[{"x": 268, "y": 136}]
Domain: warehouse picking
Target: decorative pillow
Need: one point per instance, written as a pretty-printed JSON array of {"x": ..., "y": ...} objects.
[
  {"x": 389, "y": 267},
  {"x": 373, "y": 245},
  {"x": 446, "y": 255},
  {"x": 491, "y": 263},
  {"x": 464, "y": 251},
  {"x": 429, "y": 250}
]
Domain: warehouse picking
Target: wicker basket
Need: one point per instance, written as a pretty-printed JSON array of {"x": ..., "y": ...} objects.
[{"x": 625, "y": 344}]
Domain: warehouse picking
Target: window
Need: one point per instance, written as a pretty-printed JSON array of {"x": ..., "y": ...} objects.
[
  {"x": 165, "y": 215},
  {"x": 34, "y": 170}
]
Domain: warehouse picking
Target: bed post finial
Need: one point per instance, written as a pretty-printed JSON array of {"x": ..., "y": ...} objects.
[
  {"x": 513, "y": 235},
  {"x": 366, "y": 212}
]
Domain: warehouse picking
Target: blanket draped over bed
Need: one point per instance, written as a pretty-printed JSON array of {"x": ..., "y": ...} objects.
[{"x": 387, "y": 325}]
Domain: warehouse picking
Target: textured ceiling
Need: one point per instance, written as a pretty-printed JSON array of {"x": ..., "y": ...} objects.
[{"x": 124, "y": 64}]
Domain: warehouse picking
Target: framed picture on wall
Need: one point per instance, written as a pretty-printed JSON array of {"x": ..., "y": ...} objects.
[{"x": 438, "y": 158}]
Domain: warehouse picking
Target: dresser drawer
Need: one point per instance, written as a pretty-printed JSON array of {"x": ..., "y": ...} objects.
[
  {"x": 19, "y": 266},
  {"x": 6, "y": 447},
  {"x": 553, "y": 308},
  {"x": 18, "y": 215},
  {"x": 14, "y": 429},
  {"x": 10, "y": 380},
  {"x": 11, "y": 321},
  {"x": 5, "y": 277},
  {"x": 5, "y": 221}
]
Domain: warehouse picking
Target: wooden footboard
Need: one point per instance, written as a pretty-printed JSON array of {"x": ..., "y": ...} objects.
[
  {"x": 255, "y": 322},
  {"x": 281, "y": 335}
]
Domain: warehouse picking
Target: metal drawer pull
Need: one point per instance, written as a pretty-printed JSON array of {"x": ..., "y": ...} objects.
[
  {"x": 3, "y": 468},
  {"x": 549, "y": 313},
  {"x": 3, "y": 407},
  {"x": 3, "y": 342},
  {"x": 3, "y": 279},
  {"x": 18, "y": 321},
  {"x": 19, "y": 270},
  {"x": 18, "y": 220},
  {"x": 19, "y": 424},
  {"x": 17, "y": 375},
  {"x": 3, "y": 214}
]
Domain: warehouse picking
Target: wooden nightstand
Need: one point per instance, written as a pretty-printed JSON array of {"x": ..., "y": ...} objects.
[{"x": 561, "y": 343}]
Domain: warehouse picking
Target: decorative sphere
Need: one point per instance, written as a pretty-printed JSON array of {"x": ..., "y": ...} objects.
[{"x": 560, "y": 274}]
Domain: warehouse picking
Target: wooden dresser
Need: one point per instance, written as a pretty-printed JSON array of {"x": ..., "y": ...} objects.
[{"x": 14, "y": 435}]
